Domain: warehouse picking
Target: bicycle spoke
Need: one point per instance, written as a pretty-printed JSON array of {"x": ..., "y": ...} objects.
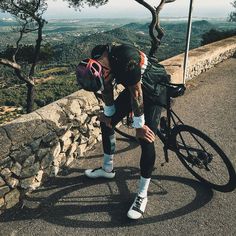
[{"x": 204, "y": 159}]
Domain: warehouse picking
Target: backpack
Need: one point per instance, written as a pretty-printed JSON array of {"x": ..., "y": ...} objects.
[{"x": 153, "y": 77}]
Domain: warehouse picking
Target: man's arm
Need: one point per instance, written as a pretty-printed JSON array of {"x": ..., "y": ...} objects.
[
  {"x": 142, "y": 130},
  {"x": 137, "y": 105},
  {"x": 108, "y": 98}
]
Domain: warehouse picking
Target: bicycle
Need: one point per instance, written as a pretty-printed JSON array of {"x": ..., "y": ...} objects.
[{"x": 202, "y": 157}]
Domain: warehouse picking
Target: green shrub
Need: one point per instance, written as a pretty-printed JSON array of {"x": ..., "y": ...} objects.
[{"x": 215, "y": 35}]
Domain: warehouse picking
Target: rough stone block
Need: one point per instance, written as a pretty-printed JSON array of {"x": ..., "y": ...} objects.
[
  {"x": 83, "y": 118},
  {"x": 66, "y": 144},
  {"x": 99, "y": 138},
  {"x": 16, "y": 169},
  {"x": 70, "y": 104},
  {"x": 69, "y": 160},
  {"x": 6, "y": 172},
  {"x": 82, "y": 149},
  {"x": 55, "y": 118},
  {"x": 95, "y": 122},
  {"x": 2, "y": 203},
  {"x": 22, "y": 154},
  {"x": 54, "y": 171},
  {"x": 30, "y": 183},
  {"x": 12, "y": 198},
  {"x": 35, "y": 144},
  {"x": 73, "y": 148},
  {"x": 30, "y": 171},
  {"x": 39, "y": 176},
  {"x": 29, "y": 161},
  {"x": 5, "y": 144},
  {"x": 47, "y": 161},
  {"x": 92, "y": 140},
  {"x": 83, "y": 140},
  {"x": 66, "y": 136},
  {"x": 84, "y": 130},
  {"x": 60, "y": 160},
  {"x": 12, "y": 182},
  {"x": 49, "y": 137},
  {"x": 55, "y": 151},
  {"x": 2, "y": 182},
  {"x": 27, "y": 127},
  {"x": 75, "y": 135},
  {"x": 5, "y": 163},
  {"x": 3, "y": 190},
  {"x": 42, "y": 152}
]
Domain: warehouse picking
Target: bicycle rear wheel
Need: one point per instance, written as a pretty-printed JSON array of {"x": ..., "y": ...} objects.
[{"x": 204, "y": 159}]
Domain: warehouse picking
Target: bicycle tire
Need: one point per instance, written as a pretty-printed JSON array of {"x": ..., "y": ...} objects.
[
  {"x": 127, "y": 132},
  {"x": 202, "y": 160}
]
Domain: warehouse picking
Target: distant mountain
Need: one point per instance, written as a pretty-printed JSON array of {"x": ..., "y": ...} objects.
[
  {"x": 170, "y": 26},
  {"x": 7, "y": 22},
  {"x": 136, "y": 34},
  {"x": 201, "y": 23},
  {"x": 61, "y": 30},
  {"x": 136, "y": 26}
]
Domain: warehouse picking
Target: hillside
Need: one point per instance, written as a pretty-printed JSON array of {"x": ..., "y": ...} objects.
[
  {"x": 69, "y": 43},
  {"x": 136, "y": 34}
]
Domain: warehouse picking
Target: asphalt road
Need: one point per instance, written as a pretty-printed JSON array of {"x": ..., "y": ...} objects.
[{"x": 177, "y": 205}]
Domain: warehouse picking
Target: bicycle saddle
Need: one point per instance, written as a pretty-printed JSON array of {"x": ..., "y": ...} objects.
[{"x": 176, "y": 91}]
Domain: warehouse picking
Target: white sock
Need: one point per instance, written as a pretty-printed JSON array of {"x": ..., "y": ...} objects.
[
  {"x": 143, "y": 186},
  {"x": 107, "y": 162}
]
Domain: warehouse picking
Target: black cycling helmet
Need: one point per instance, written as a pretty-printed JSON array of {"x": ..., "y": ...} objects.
[
  {"x": 98, "y": 50},
  {"x": 89, "y": 75}
]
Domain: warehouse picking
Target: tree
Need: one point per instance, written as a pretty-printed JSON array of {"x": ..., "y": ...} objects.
[
  {"x": 29, "y": 14},
  {"x": 232, "y": 15},
  {"x": 156, "y": 32}
]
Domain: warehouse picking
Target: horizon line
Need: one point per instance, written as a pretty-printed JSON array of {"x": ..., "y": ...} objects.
[{"x": 123, "y": 18}]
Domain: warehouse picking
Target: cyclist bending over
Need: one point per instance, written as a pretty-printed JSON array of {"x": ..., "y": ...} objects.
[{"x": 126, "y": 65}]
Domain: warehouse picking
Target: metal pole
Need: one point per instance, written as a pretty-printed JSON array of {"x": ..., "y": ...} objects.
[{"x": 188, "y": 40}]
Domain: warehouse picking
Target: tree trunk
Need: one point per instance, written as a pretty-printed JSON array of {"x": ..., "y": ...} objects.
[{"x": 30, "y": 97}]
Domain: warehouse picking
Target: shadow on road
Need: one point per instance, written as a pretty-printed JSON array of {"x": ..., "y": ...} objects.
[
  {"x": 130, "y": 146},
  {"x": 84, "y": 203}
]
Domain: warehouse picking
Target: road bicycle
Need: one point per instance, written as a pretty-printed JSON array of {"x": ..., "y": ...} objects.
[{"x": 202, "y": 157}]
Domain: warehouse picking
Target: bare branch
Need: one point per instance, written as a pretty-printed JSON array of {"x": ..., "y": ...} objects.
[
  {"x": 156, "y": 32},
  {"x": 37, "y": 46},
  {"x": 17, "y": 69},
  {"x": 154, "y": 39},
  {"x": 18, "y": 41},
  {"x": 10, "y": 64}
]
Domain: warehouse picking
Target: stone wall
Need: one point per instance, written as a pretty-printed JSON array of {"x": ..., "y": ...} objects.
[
  {"x": 200, "y": 59},
  {"x": 37, "y": 145}
]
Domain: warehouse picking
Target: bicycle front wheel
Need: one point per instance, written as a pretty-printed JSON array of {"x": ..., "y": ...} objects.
[
  {"x": 204, "y": 159},
  {"x": 126, "y": 131}
]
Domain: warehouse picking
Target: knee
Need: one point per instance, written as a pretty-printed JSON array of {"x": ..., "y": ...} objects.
[{"x": 148, "y": 149}]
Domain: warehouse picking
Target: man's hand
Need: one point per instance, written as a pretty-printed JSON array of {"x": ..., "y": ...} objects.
[
  {"x": 145, "y": 133},
  {"x": 105, "y": 119}
]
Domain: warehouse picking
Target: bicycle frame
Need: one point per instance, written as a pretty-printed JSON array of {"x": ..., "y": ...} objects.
[
  {"x": 172, "y": 121},
  {"x": 172, "y": 118},
  {"x": 166, "y": 138}
]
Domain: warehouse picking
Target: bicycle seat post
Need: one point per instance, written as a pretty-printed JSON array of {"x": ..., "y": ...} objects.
[{"x": 168, "y": 113}]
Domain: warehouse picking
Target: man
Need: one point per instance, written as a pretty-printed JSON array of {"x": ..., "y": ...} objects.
[{"x": 140, "y": 76}]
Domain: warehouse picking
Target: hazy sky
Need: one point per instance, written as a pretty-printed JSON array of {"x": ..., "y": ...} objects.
[{"x": 130, "y": 8}]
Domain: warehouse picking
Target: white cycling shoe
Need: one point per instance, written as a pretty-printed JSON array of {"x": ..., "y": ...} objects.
[
  {"x": 99, "y": 173},
  {"x": 138, "y": 207}
]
